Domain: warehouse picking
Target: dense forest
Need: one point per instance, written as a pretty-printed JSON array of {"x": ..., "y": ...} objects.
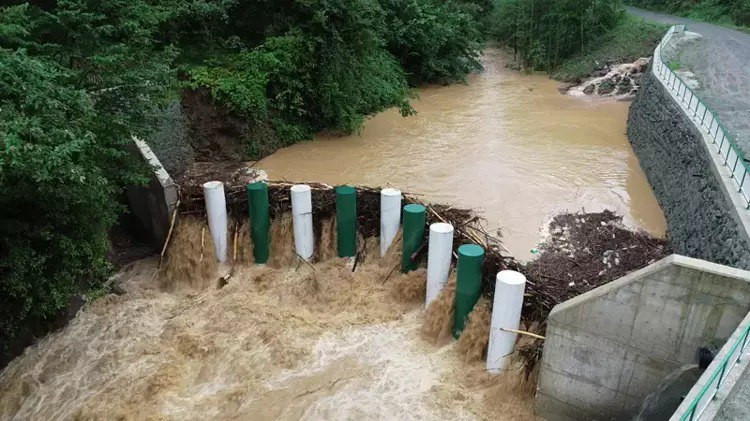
[
  {"x": 79, "y": 78},
  {"x": 731, "y": 12}
]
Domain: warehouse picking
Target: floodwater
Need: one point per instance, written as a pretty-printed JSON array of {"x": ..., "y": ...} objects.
[
  {"x": 507, "y": 144},
  {"x": 277, "y": 342}
]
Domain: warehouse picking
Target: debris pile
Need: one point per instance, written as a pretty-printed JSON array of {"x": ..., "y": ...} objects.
[{"x": 584, "y": 251}]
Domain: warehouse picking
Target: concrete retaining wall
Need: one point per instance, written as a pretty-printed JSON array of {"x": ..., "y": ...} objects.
[
  {"x": 153, "y": 204},
  {"x": 671, "y": 152},
  {"x": 606, "y": 350}
]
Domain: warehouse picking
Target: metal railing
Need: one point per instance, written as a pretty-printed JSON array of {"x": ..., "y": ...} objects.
[
  {"x": 708, "y": 391},
  {"x": 706, "y": 118}
]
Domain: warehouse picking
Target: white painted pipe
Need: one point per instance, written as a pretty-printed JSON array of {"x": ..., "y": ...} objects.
[
  {"x": 216, "y": 210},
  {"x": 506, "y": 314},
  {"x": 439, "y": 256},
  {"x": 390, "y": 217},
  {"x": 304, "y": 241}
]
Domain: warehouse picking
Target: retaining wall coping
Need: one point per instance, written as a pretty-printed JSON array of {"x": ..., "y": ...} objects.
[{"x": 641, "y": 274}]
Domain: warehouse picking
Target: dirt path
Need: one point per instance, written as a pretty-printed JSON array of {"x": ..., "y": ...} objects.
[{"x": 721, "y": 62}]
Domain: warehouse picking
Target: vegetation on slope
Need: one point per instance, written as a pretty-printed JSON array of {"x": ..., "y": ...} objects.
[
  {"x": 629, "y": 40},
  {"x": 571, "y": 38},
  {"x": 724, "y": 12}
]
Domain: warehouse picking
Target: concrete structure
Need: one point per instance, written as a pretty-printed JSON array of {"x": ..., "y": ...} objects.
[
  {"x": 723, "y": 391},
  {"x": 153, "y": 204},
  {"x": 607, "y": 349}
]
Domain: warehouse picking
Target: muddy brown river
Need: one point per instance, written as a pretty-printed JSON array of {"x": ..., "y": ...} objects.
[{"x": 507, "y": 144}]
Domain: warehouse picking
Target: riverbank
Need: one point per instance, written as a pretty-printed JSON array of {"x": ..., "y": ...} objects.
[{"x": 632, "y": 38}]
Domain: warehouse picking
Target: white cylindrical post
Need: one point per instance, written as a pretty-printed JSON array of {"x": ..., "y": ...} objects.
[
  {"x": 390, "y": 217},
  {"x": 303, "y": 224},
  {"x": 439, "y": 256},
  {"x": 216, "y": 210},
  {"x": 506, "y": 314}
]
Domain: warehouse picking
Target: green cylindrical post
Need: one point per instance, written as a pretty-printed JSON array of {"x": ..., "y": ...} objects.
[
  {"x": 468, "y": 284},
  {"x": 346, "y": 220},
  {"x": 257, "y": 195},
  {"x": 414, "y": 219}
]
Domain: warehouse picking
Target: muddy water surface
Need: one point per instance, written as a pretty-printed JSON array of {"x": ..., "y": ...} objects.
[
  {"x": 507, "y": 144},
  {"x": 286, "y": 343}
]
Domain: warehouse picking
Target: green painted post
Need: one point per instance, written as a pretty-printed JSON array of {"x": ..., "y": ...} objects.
[
  {"x": 414, "y": 220},
  {"x": 468, "y": 284},
  {"x": 346, "y": 220},
  {"x": 257, "y": 195}
]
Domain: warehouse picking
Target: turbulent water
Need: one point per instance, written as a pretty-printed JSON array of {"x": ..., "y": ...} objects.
[
  {"x": 507, "y": 144},
  {"x": 286, "y": 342}
]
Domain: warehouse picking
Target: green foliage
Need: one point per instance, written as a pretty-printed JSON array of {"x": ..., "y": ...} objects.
[
  {"x": 544, "y": 33},
  {"x": 434, "y": 41},
  {"x": 308, "y": 65},
  {"x": 75, "y": 82},
  {"x": 725, "y": 12},
  {"x": 629, "y": 40}
]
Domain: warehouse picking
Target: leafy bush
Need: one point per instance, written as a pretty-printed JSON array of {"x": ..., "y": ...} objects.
[
  {"x": 434, "y": 42},
  {"x": 75, "y": 83},
  {"x": 326, "y": 64}
]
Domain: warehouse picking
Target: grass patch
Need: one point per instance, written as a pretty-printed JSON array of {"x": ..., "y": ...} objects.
[{"x": 631, "y": 39}]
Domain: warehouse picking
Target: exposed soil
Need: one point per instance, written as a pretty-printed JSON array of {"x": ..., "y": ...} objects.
[{"x": 217, "y": 134}]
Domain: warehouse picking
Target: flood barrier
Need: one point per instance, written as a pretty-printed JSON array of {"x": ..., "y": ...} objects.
[
  {"x": 414, "y": 220},
  {"x": 470, "y": 262},
  {"x": 468, "y": 285},
  {"x": 439, "y": 251},
  {"x": 216, "y": 211},
  {"x": 346, "y": 220},
  {"x": 257, "y": 194},
  {"x": 390, "y": 217},
  {"x": 506, "y": 318}
]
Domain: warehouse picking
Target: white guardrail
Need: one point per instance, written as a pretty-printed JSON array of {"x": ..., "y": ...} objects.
[{"x": 706, "y": 118}]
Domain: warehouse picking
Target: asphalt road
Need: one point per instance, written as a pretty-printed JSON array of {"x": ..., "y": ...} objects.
[{"x": 721, "y": 62}]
